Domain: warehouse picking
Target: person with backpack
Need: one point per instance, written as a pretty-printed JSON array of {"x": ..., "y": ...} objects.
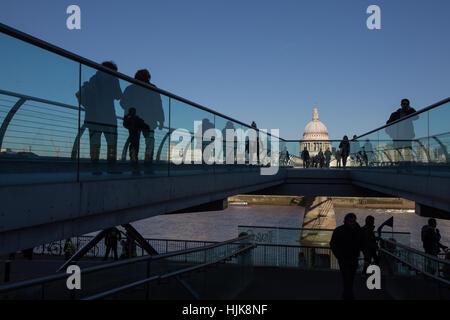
[
  {"x": 135, "y": 126},
  {"x": 111, "y": 238},
  {"x": 97, "y": 96}
]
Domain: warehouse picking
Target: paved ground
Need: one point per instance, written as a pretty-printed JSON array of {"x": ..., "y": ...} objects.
[{"x": 293, "y": 284}]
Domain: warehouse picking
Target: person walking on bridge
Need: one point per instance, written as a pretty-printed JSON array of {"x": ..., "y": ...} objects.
[
  {"x": 320, "y": 158},
  {"x": 327, "y": 157},
  {"x": 345, "y": 150},
  {"x": 346, "y": 244},
  {"x": 305, "y": 158},
  {"x": 338, "y": 158}
]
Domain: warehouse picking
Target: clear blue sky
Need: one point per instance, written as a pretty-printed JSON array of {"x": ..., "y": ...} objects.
[{"x": 267, "y": 61}]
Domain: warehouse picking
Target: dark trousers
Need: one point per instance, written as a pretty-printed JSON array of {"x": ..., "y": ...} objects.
[
  {"x": 149, "y": 145},
  {"x": 344, "y": 161},
  {"x": 305, "y": 163},
  {"x": 112, "y": 246},
  {"x": 348, "y": 271},
  {"x": 95, "y": 136},
  {"x": 134, "y": 140}
]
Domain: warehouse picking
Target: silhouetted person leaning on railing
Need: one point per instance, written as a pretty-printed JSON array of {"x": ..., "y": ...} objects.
[
  {"x": 432, "y": 245},
  {"x": 402, "y": 133},
  {"x": 346, "y": 244},
  {"x": 431, "y": 238},
  {"x": 345, "y": 150},
  {"x": 149, "y": 108},
  {"x": 97, "y": 96},
  {"x": 135, "y": 126}
]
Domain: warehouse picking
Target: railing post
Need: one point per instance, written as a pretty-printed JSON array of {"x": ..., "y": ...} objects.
[
  {"x": 7, "y": 270},
  {"x": 147, "y": 285},
  {"x": 42, "y": 291},
  {"x": 265, "y": 254}
]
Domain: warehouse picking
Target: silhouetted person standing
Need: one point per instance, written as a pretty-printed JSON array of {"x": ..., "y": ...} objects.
[
  {"x": 403, "y": 132},
  {"x": 320, "y": 157},
  {"x": 370, "y": 243},
  {"x": 257, "y": 142},
  {"x": 135, "y": 126},
  {"x": 369, "y": 152},
  {"x": 232, "y": 143},
  {"x": 345, "y": 150},
  {"x": 305, "y": 157},
  {"x": 346, "y": 244},
  {"x": 338, "y": 158},
  {"x": 97, "y": 96},
  {"x": 111, "y": 238},
  {"x": 431, "y": 238},
  {"x": 327, "y": 157},
  {"x": 148, "y": 107}
]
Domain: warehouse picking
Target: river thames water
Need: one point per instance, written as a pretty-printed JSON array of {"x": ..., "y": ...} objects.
[{"x": 223, "y": 225}]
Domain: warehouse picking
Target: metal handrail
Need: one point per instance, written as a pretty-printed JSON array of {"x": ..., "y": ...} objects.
[
  {"x": 52, "y": 48},
  {"x": 307, "y": 229},
  {"x": 31, "y": 98},
  {"x": 413, "y": 267},
  {"x": 166, "y": 276},
  {"x": 434, "y": 105},
  {"x": 426, "y": 255},
  {"x": 74, "y": 57},
  {"x": 62, "y": 275}
]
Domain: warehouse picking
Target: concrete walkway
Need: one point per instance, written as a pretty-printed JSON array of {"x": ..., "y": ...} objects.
[{"x": 294, "y": 284}]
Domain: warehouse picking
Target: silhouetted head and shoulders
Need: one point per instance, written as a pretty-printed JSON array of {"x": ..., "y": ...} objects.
[
  {"x": 403, "y": 111},
  {"x": 102, "y": 89},
  {"x": 147, "y": 102},
  {"x": 344, "y": 145},
  {"x": 346, "y": 241}
]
